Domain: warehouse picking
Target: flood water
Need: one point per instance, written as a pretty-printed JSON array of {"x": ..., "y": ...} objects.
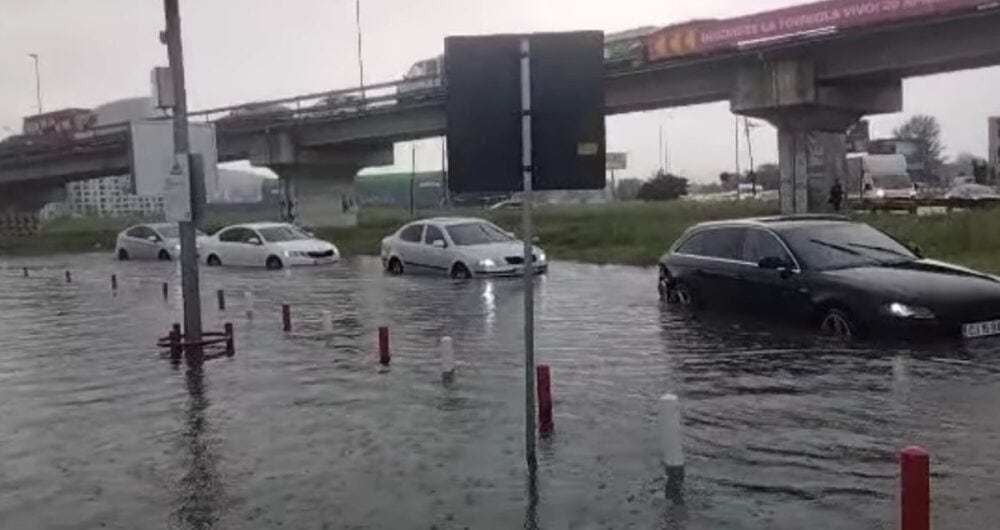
[{"x": 782, "y": 430}]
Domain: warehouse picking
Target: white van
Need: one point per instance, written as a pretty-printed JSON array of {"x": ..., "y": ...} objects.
[{"x": 879, "y": 177}]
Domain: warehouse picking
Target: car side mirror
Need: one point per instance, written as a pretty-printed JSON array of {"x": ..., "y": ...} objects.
[
  {"x": 254, "y": 241},
  {"x": 536, "y": 239},
  {"x": 772, "y": 263},
  {"x": 439, "y": 243},
  {"x": 915, "y": 248}
]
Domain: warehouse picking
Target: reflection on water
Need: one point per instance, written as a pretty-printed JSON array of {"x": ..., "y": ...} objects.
[{"x": 783, "y": 430}]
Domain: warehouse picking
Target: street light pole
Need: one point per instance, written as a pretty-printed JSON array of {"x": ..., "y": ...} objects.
[
  {"x": 38, "y": 82},
  {"x": 361, "y": 62},
  {"x": 182, "y": 148}
]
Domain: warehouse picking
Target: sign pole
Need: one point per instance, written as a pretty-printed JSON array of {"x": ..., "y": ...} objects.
[
  {"x": 189, "y": 258},
  {"x": 529, "y": 265}
]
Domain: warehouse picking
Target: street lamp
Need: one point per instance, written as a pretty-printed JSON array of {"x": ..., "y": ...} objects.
[
  {"x": 361, "y": 62},
  {"x": 38, "y": 82}
]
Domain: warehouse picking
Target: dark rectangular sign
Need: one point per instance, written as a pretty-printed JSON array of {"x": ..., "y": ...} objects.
[{"x": 483, "y": 81}]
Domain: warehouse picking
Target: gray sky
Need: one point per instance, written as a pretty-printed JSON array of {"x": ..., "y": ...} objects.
[{"x": 94, "y": 51}]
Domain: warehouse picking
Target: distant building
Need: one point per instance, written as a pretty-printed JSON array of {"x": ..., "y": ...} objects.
[
  {"x": 994, "y": 131},
  {"x": 110, "y": 197}
]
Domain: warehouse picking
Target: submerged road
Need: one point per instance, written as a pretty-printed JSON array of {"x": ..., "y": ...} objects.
[{"x": 783, "y": 430}]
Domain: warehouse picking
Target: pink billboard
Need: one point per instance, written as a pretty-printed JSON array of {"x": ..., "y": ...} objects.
[{"x": 698, "y": 37}]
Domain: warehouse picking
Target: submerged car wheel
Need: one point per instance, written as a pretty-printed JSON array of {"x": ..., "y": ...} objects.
[
  {"x": 460, "y": 272},
  {"x": 122, "y": 255},
  {"x": 681, "y": 294},
  {"x": 213, "y": 261},
  {"x": 395, "y": 267},
  {"x": 273, "y": 263},
  {"x": 164, "y": 255},
  {"x": 838, "y": 323}
]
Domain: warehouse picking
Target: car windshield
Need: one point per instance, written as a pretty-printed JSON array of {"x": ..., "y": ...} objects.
[
  {"x": 844, "y": 245},
  {"x": 277, "y": 234},
  {"x": 172, "y": 232},
  {"x": 477, "y": 234},
  {"x": 892, "y": 182}
]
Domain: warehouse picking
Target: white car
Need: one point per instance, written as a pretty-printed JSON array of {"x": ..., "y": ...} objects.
[
  {"x": 459, "y": 247},
  {"x": 156, "y": 241},
  {"x": 271, "y": 245}
]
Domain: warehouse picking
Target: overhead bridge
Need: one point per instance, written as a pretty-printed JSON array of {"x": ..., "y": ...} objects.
[{"x": 807, "y": 88}]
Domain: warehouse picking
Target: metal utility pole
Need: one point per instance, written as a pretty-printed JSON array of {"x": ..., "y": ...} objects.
[
  {"x": 413, "y": 177},
  {"x": 189, "y": 257},
  {"x": 38, "y": 82},
  {"x": 444, "y": 171},
  {"x": 736, "y": 136},
  {"x": 361, "y": 62},
  {"x": 529, "y": 264},
  {"x": 753, "y": 177},
  {"x": 661, "y": 148}
]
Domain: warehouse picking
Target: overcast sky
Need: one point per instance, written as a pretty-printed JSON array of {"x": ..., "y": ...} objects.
[{"x": 94, "y": 51}]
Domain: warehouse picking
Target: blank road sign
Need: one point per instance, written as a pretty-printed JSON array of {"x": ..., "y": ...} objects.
[{"x": 482, "y": 75}]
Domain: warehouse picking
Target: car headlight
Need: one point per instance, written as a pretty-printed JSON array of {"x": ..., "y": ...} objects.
[
  {"x": 541, "y": 257},
  {"x": 880, "y": 193},
  {"x": 487, "y": 263},
  {"x": 288, "y": 253},
  {"x": 177, "y": 247},
  {"x": 901, "y": 310}
]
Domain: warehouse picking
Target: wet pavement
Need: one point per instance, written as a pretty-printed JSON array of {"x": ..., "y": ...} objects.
[{"x": 783, "y": 430}]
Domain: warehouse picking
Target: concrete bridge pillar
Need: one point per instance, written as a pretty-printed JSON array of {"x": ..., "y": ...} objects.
[
  {"x": 812, "y": 119},
  {"x": 318, "y": 184}
]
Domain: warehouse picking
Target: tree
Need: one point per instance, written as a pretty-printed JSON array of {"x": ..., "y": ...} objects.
[
  {"x": 769, "y": 176},
  {"x": 728, "y": 180},
  {"x": 663, "y": 187},
  {"x": 927, "y": 130}
]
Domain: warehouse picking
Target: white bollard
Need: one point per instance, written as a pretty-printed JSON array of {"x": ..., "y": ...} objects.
[
  {"x": 447, "y": 359},
  {"x": 327, "y": 322},
  {"x": 673, "y": 451},
  {"x": 248, "y": 302}
]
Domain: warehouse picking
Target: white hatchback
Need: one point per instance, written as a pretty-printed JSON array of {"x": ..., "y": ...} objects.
[
  {"x": 154, "y": 241},
  {"x": 458, "y": 247},
  {"x": 271, "y": 245}
]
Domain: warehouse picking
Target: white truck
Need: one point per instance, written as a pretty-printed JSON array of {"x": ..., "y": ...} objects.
[{"x": 879, "y": 177}]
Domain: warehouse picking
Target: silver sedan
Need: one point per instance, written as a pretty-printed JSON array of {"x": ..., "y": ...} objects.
[
  {"x": 154, "y": 241},
  {"x": 458, "y": 247}
]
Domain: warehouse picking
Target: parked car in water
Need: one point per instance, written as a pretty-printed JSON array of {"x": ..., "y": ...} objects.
[
  {"x": 845, "y": 278},
  {"x": 271, "y": 245},
  {"x": 154, "y": 241},
  {"x": 458, "y": 247}
]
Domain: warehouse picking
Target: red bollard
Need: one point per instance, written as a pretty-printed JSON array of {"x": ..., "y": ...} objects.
[
  {"x": 230, "y": 340},
  {"x": 114, "y": 282},
  {"x": 383, "y": 346},
  {"x": 221, "y": 295},
  {"x": 286, "y": 318},
  {"x": 166, "y": 290},
  {"x": 69, "y": 277},
  {"x": 25, "y": 271},
  {"x": 544, "y": 384},
  {"x": 915, "y": 485}
]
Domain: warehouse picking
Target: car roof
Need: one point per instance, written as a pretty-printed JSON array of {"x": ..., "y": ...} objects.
[
  {"x": 779, "y": 222},
  {"x": 256, "y": 226},
  {"x": 447, "y": 221}
]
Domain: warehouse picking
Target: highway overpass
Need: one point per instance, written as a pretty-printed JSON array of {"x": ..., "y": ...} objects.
[{"x": 806, "y": 88}]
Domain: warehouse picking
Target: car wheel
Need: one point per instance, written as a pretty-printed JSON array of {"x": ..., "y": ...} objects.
[
  {"x": 681, "y": 294},
  {"x": 838, "y": 323},
  {"x": 273, "y": 263},
  {"x": 164, "y": 255},
  {"x": 460, "y": 272},
  {"x": 122, "y": 255},
  {"x": 213, "y": 261},
  {"x": 395, "y": 267}
]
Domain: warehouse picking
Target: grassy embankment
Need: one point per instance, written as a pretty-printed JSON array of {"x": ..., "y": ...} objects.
[{"x": 632, "y": 233}]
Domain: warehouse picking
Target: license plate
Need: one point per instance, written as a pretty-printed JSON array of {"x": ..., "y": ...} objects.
[{"x": 981, "y": 329}]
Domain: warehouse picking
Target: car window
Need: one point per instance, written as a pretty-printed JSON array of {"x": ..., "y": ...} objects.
[
  {"x": 412, "y": 233},
  {"x": 723, "y": 243},
  {"x": 759, "y": 244},
  {"x": 282, "y": 233},
  {"x": 233, "y": 235},
  {"x": 136, "y": 232},
  {"x": 433, "y": 234},
  {"x": 477, "y": 234},
  {"x": 843, "y": 245}
]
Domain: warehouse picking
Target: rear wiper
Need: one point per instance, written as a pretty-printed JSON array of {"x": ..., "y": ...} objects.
[
  {"x": 881, "y": 249},
  {"x": 841, "y": 248}
]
